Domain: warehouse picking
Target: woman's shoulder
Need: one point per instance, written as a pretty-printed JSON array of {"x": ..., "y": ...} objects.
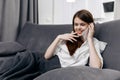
[
  {"x": 95, "y": 39},
  {"x": 98, "y": 41}
]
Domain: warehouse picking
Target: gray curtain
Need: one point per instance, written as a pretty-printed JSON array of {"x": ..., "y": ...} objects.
[{"x": 13, "y": 15}]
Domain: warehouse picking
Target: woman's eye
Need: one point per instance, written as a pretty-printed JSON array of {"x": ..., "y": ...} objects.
[
  {"x": 76, "y": 24},
  {"x": 82, "y": 24}
]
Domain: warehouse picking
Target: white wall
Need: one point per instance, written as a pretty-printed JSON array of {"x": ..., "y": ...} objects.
[
  {"x": 96, "y": 8},
  {"x": 117, "y": 10},
  {"x": 61, "y": 12},
  {"x": 108, "y": 0},
  {"x": 45, "y": 11}
]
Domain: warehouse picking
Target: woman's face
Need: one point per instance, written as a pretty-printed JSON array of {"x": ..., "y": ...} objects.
[{"x": 79, "y": 26}]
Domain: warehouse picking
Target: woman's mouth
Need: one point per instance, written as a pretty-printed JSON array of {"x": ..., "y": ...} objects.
[{"x": 79, "y": 33}]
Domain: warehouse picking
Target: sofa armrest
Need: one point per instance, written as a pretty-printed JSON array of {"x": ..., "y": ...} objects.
[{"x": 80, "y": 73}]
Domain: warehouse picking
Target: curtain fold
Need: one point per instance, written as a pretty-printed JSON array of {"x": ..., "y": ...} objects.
[{"x": 14, "y": 14}]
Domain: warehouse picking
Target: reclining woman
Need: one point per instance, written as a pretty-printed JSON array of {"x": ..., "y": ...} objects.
[{"x": 80, "y": 46}]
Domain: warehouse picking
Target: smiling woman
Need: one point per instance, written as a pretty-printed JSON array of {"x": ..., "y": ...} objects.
[{"x": 79, "y": 47}]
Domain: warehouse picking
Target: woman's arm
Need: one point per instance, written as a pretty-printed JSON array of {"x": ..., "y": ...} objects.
[
  {"x": 49, "y": 52},
  {"x": 94, "y": 58}
]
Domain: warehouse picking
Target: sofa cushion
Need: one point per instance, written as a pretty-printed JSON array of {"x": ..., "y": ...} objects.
[
  {"x": 10, "y": 48},
  {"x": 80, "y": 73}
]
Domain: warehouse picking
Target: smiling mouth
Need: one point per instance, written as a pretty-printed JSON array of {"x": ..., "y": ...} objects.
[{"x": 79, "y": 32}]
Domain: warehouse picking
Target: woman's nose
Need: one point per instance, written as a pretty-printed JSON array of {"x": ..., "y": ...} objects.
[{"x": 79, "y": 27}]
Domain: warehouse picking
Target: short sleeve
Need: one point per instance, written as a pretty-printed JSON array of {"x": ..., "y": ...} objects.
[
  {"x": 100, "y": 47},
  {"x": 58, "y": 48}
]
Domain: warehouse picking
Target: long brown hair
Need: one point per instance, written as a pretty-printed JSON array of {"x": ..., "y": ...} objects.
[
  {"x": 87, "y": 17},
  {"x": 72, "y": 46}
]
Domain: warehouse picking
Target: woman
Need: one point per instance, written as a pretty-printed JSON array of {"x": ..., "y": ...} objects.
[{"x": 78, "y": 47}]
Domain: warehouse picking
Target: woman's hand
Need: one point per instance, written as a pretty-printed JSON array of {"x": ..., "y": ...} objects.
[
  {"x": 90, "y": 31},
  {"x": 68, "y": 36}
]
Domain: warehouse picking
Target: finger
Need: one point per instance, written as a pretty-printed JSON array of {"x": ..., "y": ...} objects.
[
  {"x": 72, "y": 35},
  {"x": 72, "y": 32},
  {"x": 75, "y": 36},
  {"x": 92, "y": 25},
  {"x": 89, "y": 27},
  {"x": 73, "y": 39},
  {"x": 70, "y": 40}
]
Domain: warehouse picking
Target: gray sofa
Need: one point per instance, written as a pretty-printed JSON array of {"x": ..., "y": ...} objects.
[{"x": 37, "y": 38}]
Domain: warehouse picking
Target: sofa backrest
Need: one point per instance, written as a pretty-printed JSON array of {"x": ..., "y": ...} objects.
[
  {"x": 38, "y": 37},
  {"x": 110, "y": 33}
]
